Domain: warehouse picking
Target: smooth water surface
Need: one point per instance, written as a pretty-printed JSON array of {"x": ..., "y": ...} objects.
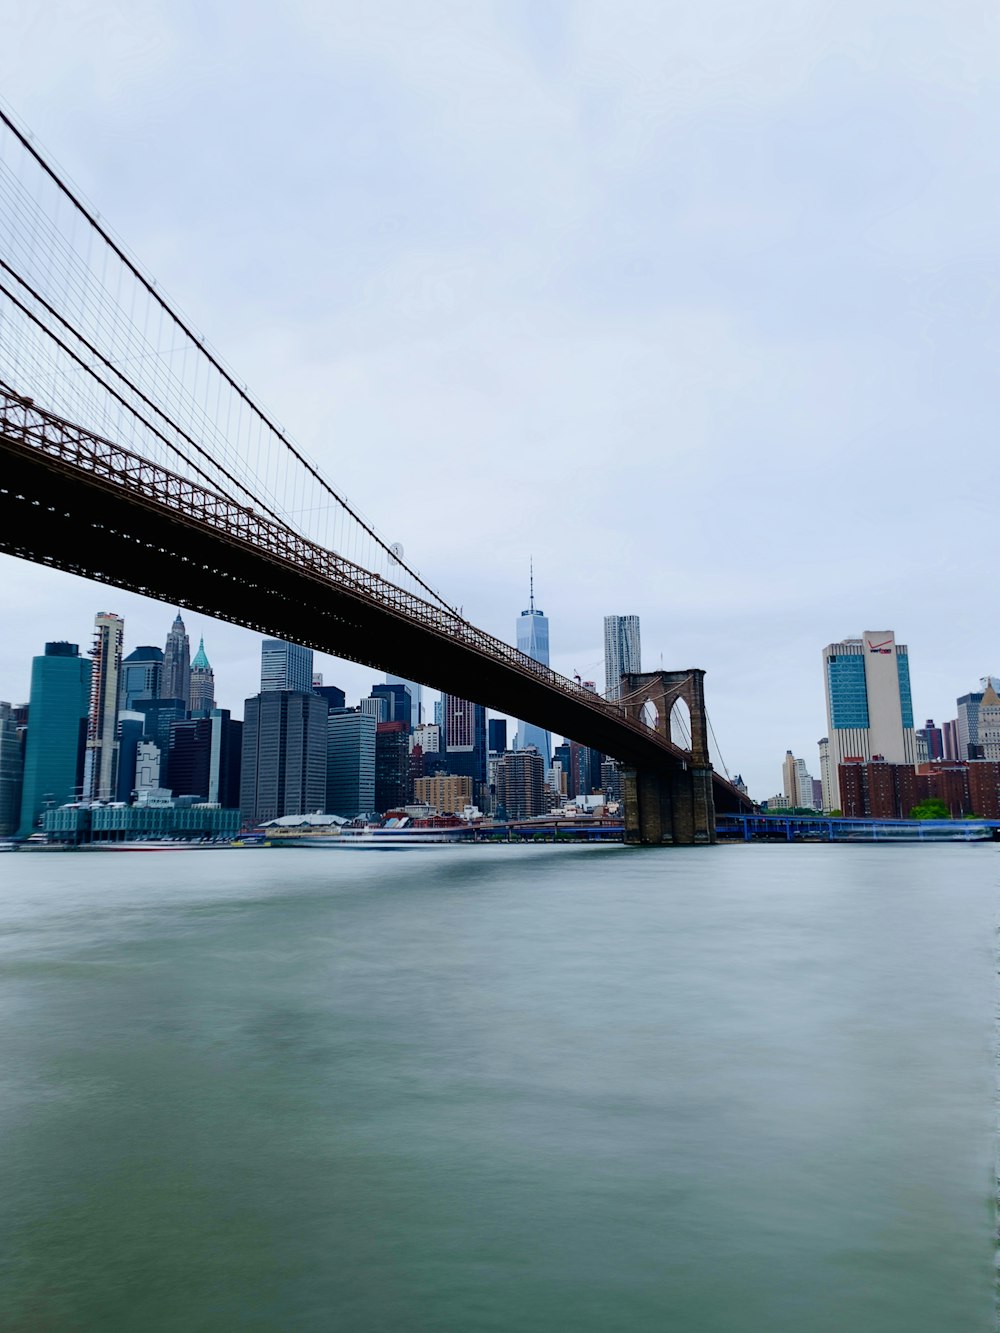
[{"x": 499, "y": 1088}]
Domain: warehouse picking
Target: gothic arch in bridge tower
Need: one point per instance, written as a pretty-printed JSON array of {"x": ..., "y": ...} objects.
[
  {"x": 679, "y": 729},
  {"x": 672, "y": 804}
]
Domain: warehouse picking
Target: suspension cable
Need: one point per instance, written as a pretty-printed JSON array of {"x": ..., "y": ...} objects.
[{"x": 716, "y": 744}]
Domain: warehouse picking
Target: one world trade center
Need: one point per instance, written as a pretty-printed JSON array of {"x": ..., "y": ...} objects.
[{"x": 533, "y": 640}]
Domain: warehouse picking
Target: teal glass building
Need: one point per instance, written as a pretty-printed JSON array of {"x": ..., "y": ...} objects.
[{"x": 57, "y": 732}]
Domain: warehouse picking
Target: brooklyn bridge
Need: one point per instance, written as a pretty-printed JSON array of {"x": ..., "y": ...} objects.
[{"x": 131, "y": 454}]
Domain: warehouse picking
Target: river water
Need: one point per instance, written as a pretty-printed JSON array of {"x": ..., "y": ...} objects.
[{"x": 563, "y": 1089}]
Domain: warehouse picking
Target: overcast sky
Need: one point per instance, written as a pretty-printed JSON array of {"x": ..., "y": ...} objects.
[{"x": 693, "y": 302}]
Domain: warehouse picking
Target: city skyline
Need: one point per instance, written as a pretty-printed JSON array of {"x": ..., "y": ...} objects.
[{"x": 763, "y": 778}]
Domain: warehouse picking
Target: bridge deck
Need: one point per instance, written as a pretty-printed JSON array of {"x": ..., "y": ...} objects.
[{"x": 75, "y": 501}]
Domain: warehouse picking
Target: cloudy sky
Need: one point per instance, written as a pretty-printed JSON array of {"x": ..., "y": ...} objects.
[{"x": 695, "y": 303}]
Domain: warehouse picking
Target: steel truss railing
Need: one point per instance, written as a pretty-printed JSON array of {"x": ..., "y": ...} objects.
[{"x": 22, "y": 421}]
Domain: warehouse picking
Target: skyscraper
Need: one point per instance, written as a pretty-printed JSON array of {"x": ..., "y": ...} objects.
[
  {"x": 465, "y": 740},
  {"x": 533, "y": 640},
  {"x": 520, "y": 785},
  {"x": 376, "y": 706},
  {"x": 131, "y": 728},
  {"x": 868, "y": 703},
  {"x": 285, "y": 666},
  {"x": 392, "y": 765},
  {"x": 968, "y": 719},
  {"x": 224, "y": 766},
  {"x": 797, "y": 782},
  {"x": 57, "y": 732},
  {"x": 350, "y": 768},
  {"x": 101, "y": 765},
  {"x": 949, "y": 738},
  {"x": 826, "y": 776},
  {"x": 11, "y": 771},
  {"x": 968, "y": 724},
  {"x": 932, "y": 739},
  {"x": 142, "y": 676},
  {"x": 176, "y": 682},
  {"x": 788, "y": 782},
  {"x": 202, "y": 692},
  {"x": 283, "y": 767},
  {"x": 989, "y": 724},
  {"x": 496, "y": 730},
  {"x": 428, "y": 737},
  {"x": 585, "y": 770},
  {"x": 190, "y": 757},
  {"x": 399, "y": 702},
  {"x": 159, "y": 715},
  {"x": 416, "y": 697},
  {"x": 334, "y": 696},
  {"x": 622, "y": 654},
  {"x": 803, "y": 785}
]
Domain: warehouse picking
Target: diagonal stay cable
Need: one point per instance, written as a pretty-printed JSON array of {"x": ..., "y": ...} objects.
[
  {"x": 218, "y": 366},
  {"x": 212, "y": 482},
  {"x": 205, "y": 453}
]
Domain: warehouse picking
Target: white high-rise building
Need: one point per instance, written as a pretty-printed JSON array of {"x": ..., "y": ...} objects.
[
  {"x": 428, "y": 736},
  {"x": 803, "y": 786},
  {"x": 967, "y": 708},
  {"x": 622, "y": 654},
  {"x": 989, "y": 723},
  {"x": 376, "y": 706},
  {"x": 825, "y": 775},
  {"x": 147, "y": 766},
  {"x": 101, "y": 762},
  {"x": 285, "y": 666},
  {"x": 868, "y": 703},
  {"x": 797, "y": 782}
]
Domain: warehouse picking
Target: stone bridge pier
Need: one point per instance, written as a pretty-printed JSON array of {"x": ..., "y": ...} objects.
[{"x": 672, "y": 805}]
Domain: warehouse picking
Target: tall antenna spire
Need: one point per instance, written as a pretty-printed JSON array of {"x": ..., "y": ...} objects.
[{"x": 531, "y": 567}]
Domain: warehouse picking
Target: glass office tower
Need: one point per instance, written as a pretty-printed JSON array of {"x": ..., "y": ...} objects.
[
  {"x": 57, "y": 732},
  {"x": 868, "y": 703},
  {"x": 285, "y": 666},
  {"x": 533, "y": 641}
]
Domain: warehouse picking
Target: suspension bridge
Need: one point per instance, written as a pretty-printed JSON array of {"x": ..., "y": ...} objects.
[{"x": 133, "y": 455}]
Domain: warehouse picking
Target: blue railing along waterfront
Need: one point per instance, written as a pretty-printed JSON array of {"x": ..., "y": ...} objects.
[{"x": 793, "y": 828}]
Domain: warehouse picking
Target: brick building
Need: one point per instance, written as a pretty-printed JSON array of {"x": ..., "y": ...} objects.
[
  {"x": 447, "y": 793},
  {"x": 890, "y": 791},
  {"x": 521, "y": 785},
  {"x": 984, "y": 788}
]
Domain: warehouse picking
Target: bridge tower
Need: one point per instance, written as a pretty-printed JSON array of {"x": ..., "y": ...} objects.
[{"x": 674, "y": 805}]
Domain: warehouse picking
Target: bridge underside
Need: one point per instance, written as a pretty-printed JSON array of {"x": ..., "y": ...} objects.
[{"x": 52, "y": 514}]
